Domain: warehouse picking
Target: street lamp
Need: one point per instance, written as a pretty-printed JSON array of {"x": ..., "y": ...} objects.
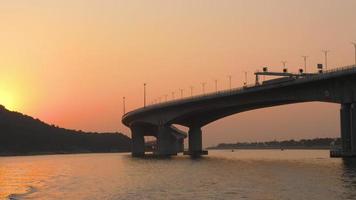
[
  {"x": 245, "y": 83},
  {"x": 172, "y": 95},
  {"x": 181, "y": 93},
  {"x": 123, "y": 105},
  {"x": 354, "y": 43},
  {"x": 305, "y": 63},
  {"x": 216, "y": 85},
  {"x": 326, "y": 58},
  {"x": 191, "y": 90},
  {"x": 284, "y": 64},
  {"x": 203, "y": 87},
  {"x": 144, "y": 95},
  {"x": 229, "y": 82}
]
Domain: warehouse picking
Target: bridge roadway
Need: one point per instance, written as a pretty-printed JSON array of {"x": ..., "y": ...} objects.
[{"x": 158, "y": 120}]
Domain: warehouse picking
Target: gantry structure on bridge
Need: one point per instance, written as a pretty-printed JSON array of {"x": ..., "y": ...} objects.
[{"x": 159, "y": 120}]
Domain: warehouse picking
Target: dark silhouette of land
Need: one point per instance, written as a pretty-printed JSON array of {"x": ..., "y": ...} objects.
[
  {"x": 23, "y": 135},
  {"x": 317, "y": 143}
]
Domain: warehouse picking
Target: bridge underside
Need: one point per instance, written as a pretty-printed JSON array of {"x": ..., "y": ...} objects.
[
  {"x": 157, "y": 121},
  {"x": 169, "y": 140}
]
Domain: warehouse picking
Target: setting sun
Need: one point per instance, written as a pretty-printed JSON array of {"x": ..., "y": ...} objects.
[{"x": 8, "y": 100}]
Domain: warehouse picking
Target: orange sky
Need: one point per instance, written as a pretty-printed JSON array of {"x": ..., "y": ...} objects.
[{"x": 70, "y": 62}]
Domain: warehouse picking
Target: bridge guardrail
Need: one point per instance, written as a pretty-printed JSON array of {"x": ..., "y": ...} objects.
[{"x": 225, "y": 92}]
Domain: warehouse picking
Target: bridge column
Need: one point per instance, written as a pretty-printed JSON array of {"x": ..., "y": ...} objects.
[
  {"x": 195, "y": 142},
  {"x": 166, "y": 142},
  {"x": 345, "y": 120},
  {"x": 353, "y": 129},
  {"x": 137, "y": 141}
]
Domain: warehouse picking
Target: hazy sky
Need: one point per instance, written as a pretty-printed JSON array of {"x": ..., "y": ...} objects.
[{"x": 70, "y": 62}]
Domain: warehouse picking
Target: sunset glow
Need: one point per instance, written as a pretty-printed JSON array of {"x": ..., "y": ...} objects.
[{"x": 8, "y": 101}]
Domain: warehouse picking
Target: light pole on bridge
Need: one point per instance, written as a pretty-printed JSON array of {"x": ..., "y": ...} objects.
[
  {"x": 245, "y": 83},
  {"x": 354, "y": 43},
  {"x": 216, "y": 85},
  {"x": 229, "y": 82},
  {"x": 284, "y": 64},
  {"x": 203, "y": 87},
  {"x": 123, "y": 105},
  {"x": 144, "y": 95},
  {"x": 326, "y": 58},
  {"x": 305, "y": 63},
  {"x": 191, "y": 90}
]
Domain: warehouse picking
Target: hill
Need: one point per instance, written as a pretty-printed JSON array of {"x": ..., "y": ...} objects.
[{"x": 21, "y": 134}]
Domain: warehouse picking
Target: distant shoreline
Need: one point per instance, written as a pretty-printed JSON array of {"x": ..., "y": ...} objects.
[
  {"x": 308, "y": 144},
  {"x": 271, "y": 148}
]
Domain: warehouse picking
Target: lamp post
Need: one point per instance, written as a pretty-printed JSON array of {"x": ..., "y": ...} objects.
[
  {"x": 326, "y": 58},
  {"x": 354, "y": 43},
  {"x": 123, "y": 105},
  {"x": 305, "y": 63},
  {"x": 229, "y": 82},
  {"x": 245, "y": 83},
  {"x": 173, "y": 95},
  {"x": 284, "y": 64},
  {"x": 144, "y": 95},
  {"x": 203, "y": 87},
  {"x": 191, "y": 90},
  {"x": 216, "y": 85}
]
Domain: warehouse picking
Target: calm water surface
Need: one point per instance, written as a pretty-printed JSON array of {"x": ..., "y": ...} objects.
[{"x": 243, "y": 174}]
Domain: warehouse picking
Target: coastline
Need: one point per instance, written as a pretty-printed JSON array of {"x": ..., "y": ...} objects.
[{"x": 273, "y": 148}]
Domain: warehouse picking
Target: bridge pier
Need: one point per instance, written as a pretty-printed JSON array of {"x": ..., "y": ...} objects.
[
  {"x": 166, "y": 142},
  {"x": 353, "y": 129},
  {"x": 195, "y": 142},
  {"x": 345, "y": 121},
  {"x": 348, "y": 131},
  {"x": 137, "y": 141}
]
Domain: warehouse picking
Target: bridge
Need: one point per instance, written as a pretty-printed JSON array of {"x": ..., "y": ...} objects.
[{"x": 159, "y": 120}]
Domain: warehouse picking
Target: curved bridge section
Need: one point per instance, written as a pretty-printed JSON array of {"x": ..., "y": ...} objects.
[{"x": 334, "y": 86}]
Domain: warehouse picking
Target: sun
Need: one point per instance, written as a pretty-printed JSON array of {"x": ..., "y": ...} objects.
[{"x": 8, "y": 100}]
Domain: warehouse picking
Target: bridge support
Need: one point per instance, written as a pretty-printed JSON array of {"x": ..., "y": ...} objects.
[
  {"x": 353, "y": 129},
  {"x": 195, "y": 142},
  {"x": 345, "y": 120},
  {"x": 137, "y": 141},
  {"x": 166, "y": 142},
  {"x": 348, "y": 131}
]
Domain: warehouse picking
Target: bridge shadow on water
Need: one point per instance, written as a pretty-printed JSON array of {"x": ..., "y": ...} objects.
[
  {"x": 164, "y": 157},
  {"x": 349, "y": 170},
  {"x": 348, "y": 177}
]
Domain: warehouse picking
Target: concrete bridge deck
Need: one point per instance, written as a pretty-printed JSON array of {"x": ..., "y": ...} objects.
[{"x": 335, "y": 86}]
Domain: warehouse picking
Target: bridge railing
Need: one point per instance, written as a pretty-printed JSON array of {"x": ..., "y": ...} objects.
[{"x": 236, "y": 90}]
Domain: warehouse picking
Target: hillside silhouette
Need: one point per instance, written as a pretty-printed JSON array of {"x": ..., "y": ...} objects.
[{"x": 21, "y": 134}]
